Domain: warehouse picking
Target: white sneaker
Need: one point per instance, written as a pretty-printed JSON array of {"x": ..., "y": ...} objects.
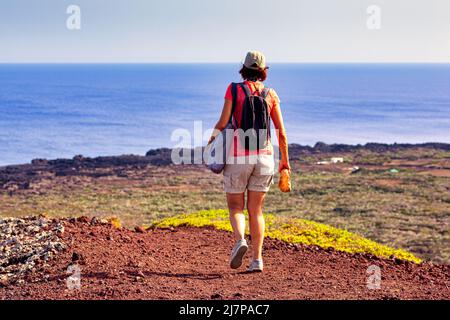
[
  {"x": 237, "y": 254},
  {"x": 256, "y": 266}
]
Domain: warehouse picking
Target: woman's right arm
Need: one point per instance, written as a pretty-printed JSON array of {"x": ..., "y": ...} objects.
[{"x": 277, "y": 119}]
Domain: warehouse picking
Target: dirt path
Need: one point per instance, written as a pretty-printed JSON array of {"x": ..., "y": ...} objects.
[{"x": 190, "y": 263}]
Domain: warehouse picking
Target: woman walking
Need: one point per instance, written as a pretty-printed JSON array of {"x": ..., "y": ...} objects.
[{"x": 250, "y": 165}]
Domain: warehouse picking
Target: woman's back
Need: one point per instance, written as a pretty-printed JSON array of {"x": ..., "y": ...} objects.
[{"x": 255, "y": 87}]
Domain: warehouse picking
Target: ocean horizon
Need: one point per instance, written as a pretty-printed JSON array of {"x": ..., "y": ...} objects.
[{"x": 61, "y": 110}]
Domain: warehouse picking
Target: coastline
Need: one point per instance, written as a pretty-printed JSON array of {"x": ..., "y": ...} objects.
[
  {"x": 20, "y": 176},
  {"x": 104, "y": 110},
  {"x": 161, "y": 156}
]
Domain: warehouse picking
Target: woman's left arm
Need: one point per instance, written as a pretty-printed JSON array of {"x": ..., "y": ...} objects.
[
  {"x": 278, "y": 123},
  {"x": 223, "y": 121}
]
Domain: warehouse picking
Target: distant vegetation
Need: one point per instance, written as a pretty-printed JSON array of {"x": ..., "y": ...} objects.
[
  {"x": 408, "y": 208},
  {"x": 293, "y": 230}
]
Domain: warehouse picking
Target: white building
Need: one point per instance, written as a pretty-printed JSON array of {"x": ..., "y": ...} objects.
[{"x": 337, "y": 160}]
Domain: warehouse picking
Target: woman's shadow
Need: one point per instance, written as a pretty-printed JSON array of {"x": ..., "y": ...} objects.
[{"x": 197, "y": 276}]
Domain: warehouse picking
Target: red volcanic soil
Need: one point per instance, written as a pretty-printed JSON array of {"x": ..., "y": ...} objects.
[{"x": 192, "y": 263}]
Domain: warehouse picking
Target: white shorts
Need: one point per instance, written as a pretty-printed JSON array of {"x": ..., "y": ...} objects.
[{"x": 254, "y": 173}]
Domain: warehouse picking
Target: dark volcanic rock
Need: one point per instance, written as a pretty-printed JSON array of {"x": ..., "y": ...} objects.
[
  {"x": 21, "y": 176},
  {"x": 139, "y": 229},
  {"x": 374, "y": 147}
]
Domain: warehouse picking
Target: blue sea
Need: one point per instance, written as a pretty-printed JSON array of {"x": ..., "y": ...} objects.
[{"x": 58, "y": 111}]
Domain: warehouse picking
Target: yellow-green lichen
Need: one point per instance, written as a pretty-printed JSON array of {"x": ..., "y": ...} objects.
[{"x": 293, "y": 230}]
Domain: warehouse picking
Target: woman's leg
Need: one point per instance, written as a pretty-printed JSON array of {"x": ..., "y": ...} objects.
[
  {"x": 236, "y": 204},
  {"x": 255, "y": 203}
]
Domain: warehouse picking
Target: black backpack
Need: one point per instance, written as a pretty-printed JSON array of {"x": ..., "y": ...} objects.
[{"x": 255, "y": 120}]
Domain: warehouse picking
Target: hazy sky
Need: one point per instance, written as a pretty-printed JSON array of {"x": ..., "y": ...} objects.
[{"x": 222, "y": 31}]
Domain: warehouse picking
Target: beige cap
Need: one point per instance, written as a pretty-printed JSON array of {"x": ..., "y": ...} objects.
[{"x": 255, "y": 60}]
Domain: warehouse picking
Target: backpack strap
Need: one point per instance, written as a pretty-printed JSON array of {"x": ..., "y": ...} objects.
[
  {"x": 265, "y": 93},
  {"x": 234, "y": 95},
  {"x": 246, "y": 89}
]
